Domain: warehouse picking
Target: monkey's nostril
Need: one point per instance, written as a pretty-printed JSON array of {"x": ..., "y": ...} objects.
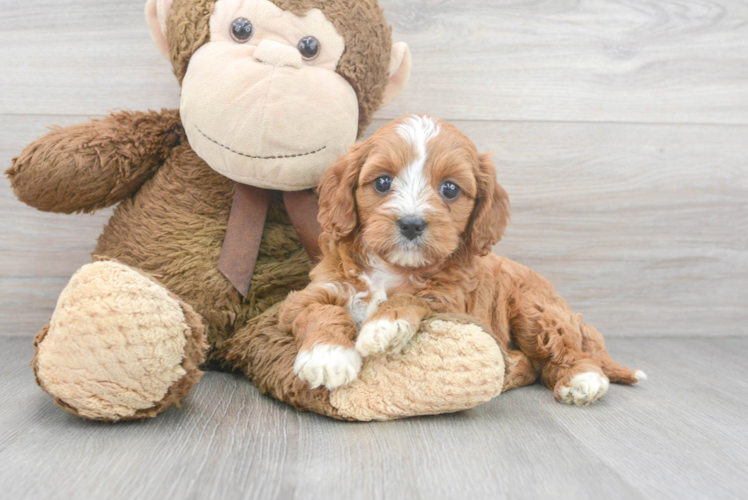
[{"x": 411, "y": 227}]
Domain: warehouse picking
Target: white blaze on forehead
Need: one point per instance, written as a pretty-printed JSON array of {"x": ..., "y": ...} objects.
[
  {"x": 418, "y": 130},
  {"x": 410, "y": 187}
]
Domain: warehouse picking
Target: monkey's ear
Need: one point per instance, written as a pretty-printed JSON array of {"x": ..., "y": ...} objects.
[
  {"x": 156, "y": 12},
  {"x": 399, "y": 72}
]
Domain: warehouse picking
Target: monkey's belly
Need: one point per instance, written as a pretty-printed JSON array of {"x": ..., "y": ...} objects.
[{"x": 174, "y": 230}]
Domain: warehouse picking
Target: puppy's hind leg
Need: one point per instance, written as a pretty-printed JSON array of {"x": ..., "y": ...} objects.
[
  {"x": 520, "y": 370},
  {"x": 549, "y": 333}
]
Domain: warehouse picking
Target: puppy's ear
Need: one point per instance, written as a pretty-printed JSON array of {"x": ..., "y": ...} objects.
[
  {"x": 491, "y": 212},
  {"x": 337, "y": 202}
]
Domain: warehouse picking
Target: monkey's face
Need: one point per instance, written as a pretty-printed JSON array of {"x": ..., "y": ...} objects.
[{"x": 262, "y": 103}]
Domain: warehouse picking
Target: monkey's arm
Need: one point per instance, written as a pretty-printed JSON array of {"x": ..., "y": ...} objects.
[{"x": 87, "y": 167}]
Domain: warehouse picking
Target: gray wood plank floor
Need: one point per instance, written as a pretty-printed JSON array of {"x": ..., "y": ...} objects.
[{"x": 681, "y": 434}]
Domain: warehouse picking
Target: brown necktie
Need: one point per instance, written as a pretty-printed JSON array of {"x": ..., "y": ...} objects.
[{"x": 241, "y": 245}]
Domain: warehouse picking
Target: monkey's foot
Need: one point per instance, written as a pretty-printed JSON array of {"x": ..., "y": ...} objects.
[{"x": 119, "y": 345}]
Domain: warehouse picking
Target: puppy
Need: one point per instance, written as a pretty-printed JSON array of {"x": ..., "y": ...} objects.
[{"x": 410, "y": 217}]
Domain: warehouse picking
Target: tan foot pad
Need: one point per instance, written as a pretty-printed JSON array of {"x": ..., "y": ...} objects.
[
  {"x": 119, "y": 345},
  {"x": 448, "y": 367}
]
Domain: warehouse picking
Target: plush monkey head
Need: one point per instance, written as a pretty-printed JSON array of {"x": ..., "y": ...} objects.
[{"x": 274, "y": 90}]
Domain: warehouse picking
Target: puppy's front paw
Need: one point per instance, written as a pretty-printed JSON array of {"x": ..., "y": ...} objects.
[
  {"x": 583, "y": 389},
  {"x": 380, "y": 335},
  {"x": 329, "y": 365}
]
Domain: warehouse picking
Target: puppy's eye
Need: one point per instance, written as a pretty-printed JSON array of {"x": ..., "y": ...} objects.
[
  {"x": 309, "y": 48},
  {"x": 450, "y": 190},
  {"x": 242, "y": 30},
  {"x": 383, "y": 184}
]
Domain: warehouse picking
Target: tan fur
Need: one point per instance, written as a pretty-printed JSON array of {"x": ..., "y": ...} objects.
[
  {"x": 521, "y": 308},
  {"x": 365, "y": 62},
  {"x": 475, "y": 375},
  {"x": 195, "y": 221},
  {"x": 120, "y": 369}
]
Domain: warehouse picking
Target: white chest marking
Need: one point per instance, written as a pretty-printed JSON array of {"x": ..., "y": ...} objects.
[{"x": 380, "y": 282}]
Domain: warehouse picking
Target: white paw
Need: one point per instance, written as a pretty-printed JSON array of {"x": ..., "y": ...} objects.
[
  {"x": 384, "y": 335},
  {"x": 640, "y": 375},
  {"x": 328, "y": 365},
  {"x": 584, "y": 388}
]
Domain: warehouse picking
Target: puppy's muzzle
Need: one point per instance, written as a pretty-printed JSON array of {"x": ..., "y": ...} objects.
[{"x": 412, "y": 227}]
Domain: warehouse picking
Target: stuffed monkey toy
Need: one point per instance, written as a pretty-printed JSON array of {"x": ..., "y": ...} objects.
[{"x": 216, "y": 221}]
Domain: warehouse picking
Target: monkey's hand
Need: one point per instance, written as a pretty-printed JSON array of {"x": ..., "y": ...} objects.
[{"x": 86, "y": 167}]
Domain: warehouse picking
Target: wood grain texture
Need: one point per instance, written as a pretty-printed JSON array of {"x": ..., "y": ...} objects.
[
  {"x": 681, "y": 434},
  {"x": 643, "y": 228},
  {"x": 40, "y": 251},
  {"x": 608, "y": 60}
]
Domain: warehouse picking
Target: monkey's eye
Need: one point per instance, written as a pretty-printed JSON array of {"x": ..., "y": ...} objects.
[
  {"x": 242, "y": 30},
  {"x": 383, "y": 185},
  {"x": 309, "y": 48},
  {"x": 450, "y": 190}
]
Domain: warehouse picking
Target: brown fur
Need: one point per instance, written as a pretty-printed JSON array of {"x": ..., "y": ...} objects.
[
  {"x": 539, "y": 333},
  {"x": 364, "y": 64},
  {"x": 97, "y": 164},
  {"x": 323, "y": 323},
  {"x": 482, "y": 213},
  {"x": 413, "y": 309},
  {"x": 174, "y": 209},
  {"x": 187, "y": 29},
  {"x": 267, "y": 354},
  {"x": 180, "y": 242}
]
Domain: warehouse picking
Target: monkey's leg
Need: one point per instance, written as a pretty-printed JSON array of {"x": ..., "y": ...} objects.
[
  {"x": 119, "y": 345},
  {"x": 450, "y": 365}
]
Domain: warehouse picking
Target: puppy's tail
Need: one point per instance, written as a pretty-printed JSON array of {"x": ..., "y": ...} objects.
[
  {"x": 593, "y": 342},
  {"x": 620, "y": 374}
]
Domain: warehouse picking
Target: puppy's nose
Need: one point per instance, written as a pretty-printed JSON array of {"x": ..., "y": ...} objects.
[{"x": 411, "y": 227}]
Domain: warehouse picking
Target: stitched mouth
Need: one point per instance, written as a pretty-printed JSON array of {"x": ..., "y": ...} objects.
[{"x": 278, "y": 157}]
